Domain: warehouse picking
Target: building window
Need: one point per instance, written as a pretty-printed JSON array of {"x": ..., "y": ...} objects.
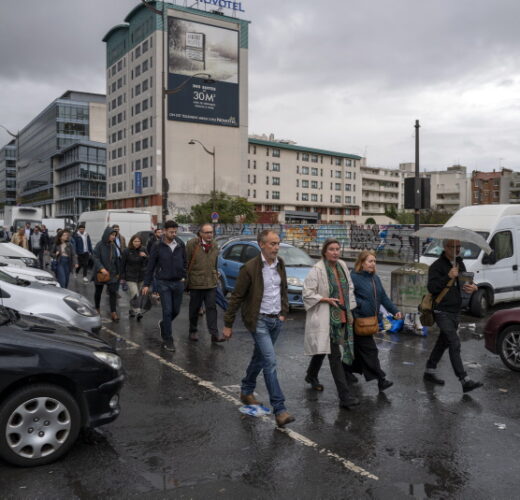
[
  {"x": 267, "y": 180},
  {"x": 267, "y": 165},
  {"x": 314, "y": 158},
  {"x": 276, "y": 152},
  {"x": 348, "y": 163},
  {"x": 314, "y": 197},
  {"x": 305, "y": 170},
  {"x": 305, "y": 183},
  {"x": 348, "y": 175},
  {"x": 276, "y": 195},
  {"x": 297, "y": 182},
  {"x": 275, "y": 167},
  {"x": 337, "y": 186},
  {"x": 314, "y": 184},
  {"x": 338, "y": 161},
  {"x": 267, "y": 194},
  {"x": 276, "y": 181},
  {"x": 305, "y": 156},
  {"x": 337, "y": 199},
  {"x": 348, "y": 187},
  {"x": 338, "y": 174},
  {"x": 314, "y": 171},
  {"x": 348, "y": 199},
  {"x": 305, "y": 196}
]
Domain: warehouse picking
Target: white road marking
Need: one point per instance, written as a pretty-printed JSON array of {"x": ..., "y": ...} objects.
[{"x": 300, "y": 438}]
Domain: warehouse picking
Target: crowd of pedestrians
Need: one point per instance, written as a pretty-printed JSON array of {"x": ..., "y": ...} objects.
[{"x": 342, "y": 306}]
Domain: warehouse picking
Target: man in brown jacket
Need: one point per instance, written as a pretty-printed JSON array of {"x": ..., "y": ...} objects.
[
  {"x": 261, "y": 290},
  {"x": 202, "y": 254}
]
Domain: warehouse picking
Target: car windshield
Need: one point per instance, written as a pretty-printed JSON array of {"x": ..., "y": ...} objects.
[
  {"x": 467, "y": 250},
  {"x": 295, "y": 257},
  {"x": 14, "y": 281}
]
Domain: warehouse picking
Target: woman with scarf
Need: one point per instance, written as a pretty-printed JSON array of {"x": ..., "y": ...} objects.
[
  {"x": 65, "y": 255},
  {"x": 107, "y": 268},
  {"x": 370, "y": 295},
  {"x": 328, "y": 297}
]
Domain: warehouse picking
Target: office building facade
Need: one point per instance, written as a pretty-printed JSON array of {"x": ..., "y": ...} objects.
[
  {"x": 210, "y": 113},
  {"x": 289, "y": 183},
  {"x": 73, "y": 118},
  {"x": 8, "y": 174}
]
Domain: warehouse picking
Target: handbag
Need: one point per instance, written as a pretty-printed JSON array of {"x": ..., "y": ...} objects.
[
  {"x": 102, "y": 277},
  {"x": 54, "y": 265},
  {"x": 370, "y": 325},
  {"x": 427, "y": 304}
]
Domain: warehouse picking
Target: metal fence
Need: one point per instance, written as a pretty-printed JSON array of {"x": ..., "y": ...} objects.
[{"x": 390, "y": 242}]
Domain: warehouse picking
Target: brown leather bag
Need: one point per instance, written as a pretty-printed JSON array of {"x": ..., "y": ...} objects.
[
  {"x": 102, "y": 277},
  {"x": 367, "y": 326}
]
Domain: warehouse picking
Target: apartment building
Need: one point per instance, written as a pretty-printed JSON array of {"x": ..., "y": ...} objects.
[
  {"x": 486, "y": 187},
  {"x": 8, "y": 174},
  {"x": 382, "y": 189},
  {"x": 203, "y": 117},
  {"x": 289, "y": 183}
]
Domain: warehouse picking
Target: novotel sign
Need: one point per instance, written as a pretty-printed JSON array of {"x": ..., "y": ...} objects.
[{"x": 225, "y": 4}]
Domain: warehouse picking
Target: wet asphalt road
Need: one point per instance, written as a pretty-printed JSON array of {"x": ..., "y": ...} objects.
[{"x": 180, "y": 434}]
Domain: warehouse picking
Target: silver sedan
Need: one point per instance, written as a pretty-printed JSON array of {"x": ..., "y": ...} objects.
[{"x": 49, "y": 302}]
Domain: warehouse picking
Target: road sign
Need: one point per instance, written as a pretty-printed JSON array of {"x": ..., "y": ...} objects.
[{"x": 214, "y": 216}]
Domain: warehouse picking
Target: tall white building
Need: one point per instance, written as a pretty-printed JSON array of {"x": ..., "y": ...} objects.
[
  {"x": 382, "y": 190},
  {"x": 204, "y": 56},
  {"x": 289, "y": 183}
]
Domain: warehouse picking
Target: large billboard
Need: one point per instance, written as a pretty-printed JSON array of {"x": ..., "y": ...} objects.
[{"x": 195, "y": 48}]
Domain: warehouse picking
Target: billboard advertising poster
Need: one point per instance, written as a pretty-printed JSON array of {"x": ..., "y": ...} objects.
[{"x": 201, "y": 48}]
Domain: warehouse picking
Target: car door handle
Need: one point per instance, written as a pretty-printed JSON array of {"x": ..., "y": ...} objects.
[{"x": 515, "y": 267}]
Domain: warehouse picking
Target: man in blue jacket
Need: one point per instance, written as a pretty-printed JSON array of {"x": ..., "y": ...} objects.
[
  {"x": 83, "y": 247},
  {"x": 168, "y": 263}
]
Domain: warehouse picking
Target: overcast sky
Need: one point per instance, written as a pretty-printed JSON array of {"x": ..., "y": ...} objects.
[{"x": 342, "y": 75}]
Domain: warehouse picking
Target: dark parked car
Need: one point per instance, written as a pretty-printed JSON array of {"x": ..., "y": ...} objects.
[
  {"x": 54, "y": 381},
  {"x": 502, "y": 336}
]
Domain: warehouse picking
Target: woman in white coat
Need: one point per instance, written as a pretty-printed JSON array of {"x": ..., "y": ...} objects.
[{"x": 328, "y": 296}]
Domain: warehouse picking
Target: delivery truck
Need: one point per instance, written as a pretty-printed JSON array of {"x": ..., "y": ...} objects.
[{"x": 497, "y": 275}]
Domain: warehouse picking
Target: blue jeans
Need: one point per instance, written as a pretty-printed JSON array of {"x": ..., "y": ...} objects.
[
  {"x": 63, "y": 271},
  {"x": 264, "y": 358},
  {"x": 171, "y": 293}
]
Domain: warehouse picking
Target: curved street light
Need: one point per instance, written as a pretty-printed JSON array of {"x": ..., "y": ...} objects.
[
  {"x": 9, "y": 132},
  {"x": 211, "y": 153}
]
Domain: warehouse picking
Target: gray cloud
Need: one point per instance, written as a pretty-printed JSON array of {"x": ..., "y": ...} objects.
[{"x": 345, "y": 75}]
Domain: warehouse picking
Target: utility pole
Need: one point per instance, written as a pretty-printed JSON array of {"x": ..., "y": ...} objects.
[{"x": 417, "y": 206}]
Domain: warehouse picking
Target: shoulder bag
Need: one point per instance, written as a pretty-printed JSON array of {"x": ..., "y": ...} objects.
[
  {"x": 368, "y": 326},
  {"x": 104, "y": 277},
  {"x": 427, "y": 304}
]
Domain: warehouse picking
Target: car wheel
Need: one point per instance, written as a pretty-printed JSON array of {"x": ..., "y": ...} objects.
[
  {"x": 509, "y": 347},
  {"x": 479, "y": 303},
  {"x": 222, "y": 285},
  {"x": 38, "y": 425}
]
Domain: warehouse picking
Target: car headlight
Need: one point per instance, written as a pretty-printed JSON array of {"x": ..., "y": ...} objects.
[
  {"x": 79, "y": 306},
  {"x": 112, "y": 360},
  {"x": 29, "y": 261},
  {"x": 294, "y": 281}
]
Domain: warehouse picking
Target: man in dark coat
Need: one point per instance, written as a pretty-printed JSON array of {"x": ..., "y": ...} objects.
[
  {"x": 167, "y": 263},
  {"x": 444, "y": 272}
]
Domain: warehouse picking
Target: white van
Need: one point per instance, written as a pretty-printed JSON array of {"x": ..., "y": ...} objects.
[
  {"x": 497, "y": 275},
  {"x": 130, "y": 222}
]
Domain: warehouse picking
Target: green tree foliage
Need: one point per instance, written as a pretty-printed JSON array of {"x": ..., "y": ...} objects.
[
  {"x": 391, "y": 212},
  {"x": 229, "y": 208},
  {"x": 370, "y": 220},
  {"x": 184, "y": 219},
  {"x": 425, "y": 217}
]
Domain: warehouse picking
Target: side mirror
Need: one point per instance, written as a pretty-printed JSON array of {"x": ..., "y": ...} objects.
[{"x": 489, "y": 259}]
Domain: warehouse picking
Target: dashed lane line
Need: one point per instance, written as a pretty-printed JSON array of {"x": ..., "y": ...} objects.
[{"x": 296, "y": 436}]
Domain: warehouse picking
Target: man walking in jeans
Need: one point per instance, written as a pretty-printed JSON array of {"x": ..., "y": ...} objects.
[
  {"x": 168, "y": 263},
  {"x": 261, "y": 290},
  {"x": 444, "y": 273}
]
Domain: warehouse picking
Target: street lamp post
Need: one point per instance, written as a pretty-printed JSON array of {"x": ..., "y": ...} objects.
[
  {"x": 165, "y": 185},
  {"x": 212, "y": 153}
]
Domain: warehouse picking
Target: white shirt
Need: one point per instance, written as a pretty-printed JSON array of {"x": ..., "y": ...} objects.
[
  {"x": 85, "y": 242},
  {"x": 172, "y": 245},
  {"x": 272, "y": 300}
]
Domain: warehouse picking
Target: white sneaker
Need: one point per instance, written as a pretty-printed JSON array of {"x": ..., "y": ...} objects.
[{"x": 85, "y": 280}]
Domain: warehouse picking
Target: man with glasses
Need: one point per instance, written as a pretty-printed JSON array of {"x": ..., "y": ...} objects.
[
  {"x": 202, "y": 255},
  {"x": 444, "y": 274}
]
